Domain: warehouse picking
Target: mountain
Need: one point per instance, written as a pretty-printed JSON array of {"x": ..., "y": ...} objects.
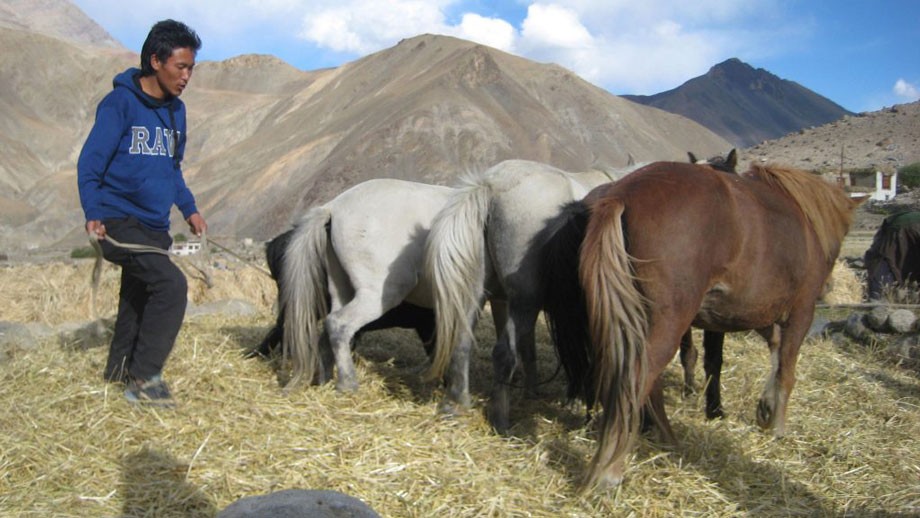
[
  {"x": 745, "y": 105},
  {"x": 883, "y": 140},
  {"x": 267, "y": 141},
  {"x": 56, "y": 18}
]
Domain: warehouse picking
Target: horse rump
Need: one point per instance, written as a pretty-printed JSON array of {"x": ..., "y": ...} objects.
[{"x": 405, "y": 315}]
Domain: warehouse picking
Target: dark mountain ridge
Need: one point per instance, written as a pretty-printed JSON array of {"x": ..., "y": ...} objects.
[{"x": 745, "y": 105}]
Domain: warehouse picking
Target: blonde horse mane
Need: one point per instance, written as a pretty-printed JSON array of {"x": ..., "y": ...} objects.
[{"x": 827, "y": 208}]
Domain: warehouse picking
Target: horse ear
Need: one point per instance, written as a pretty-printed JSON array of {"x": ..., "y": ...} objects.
[
  {"x": 692, "y": 157},
  {"x": 732, "y": 159},
  {"x": 631, "y": 161}
]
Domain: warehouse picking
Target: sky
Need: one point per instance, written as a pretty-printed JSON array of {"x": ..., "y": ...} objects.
[{"x": 862, "y": 54}]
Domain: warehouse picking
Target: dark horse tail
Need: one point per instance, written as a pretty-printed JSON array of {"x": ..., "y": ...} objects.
[
  {"x": 564, "y": 301},
  {"x": 274, "y": 256}
]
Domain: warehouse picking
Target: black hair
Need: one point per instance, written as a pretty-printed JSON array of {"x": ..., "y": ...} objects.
[{"x": 166, "y": 36}]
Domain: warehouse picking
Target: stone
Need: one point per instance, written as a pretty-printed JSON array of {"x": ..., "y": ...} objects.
[
  {"x": 856, "y": 329},
  {"x": 85, "y": 335},
  {"x": 299, "y": 503},
  {"x": 877, "y": 319},
  {"x": 902, "y": 321},
  {"x": 905, "y": 348},
  {"x": 24, "y": 336},
  {"x": 818, "y": 327}
]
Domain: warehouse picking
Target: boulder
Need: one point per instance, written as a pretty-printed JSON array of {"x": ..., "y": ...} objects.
[
  {"x": 819, "y": 327},
  {"x": 856, "y": 329},
  {"x": 877, "y": 319},
  {"x": 299, "y": 503},
  {"x": 901, "y": 321},
  {"x": 906, "y": 349},
  {"x": 16, "y": 335},
  {"x": 85, "y": 335}
]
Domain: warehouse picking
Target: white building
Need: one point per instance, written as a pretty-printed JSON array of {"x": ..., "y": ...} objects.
[
  {"x": 886, "y": 186},
  {"x": 186, "y": 248}
]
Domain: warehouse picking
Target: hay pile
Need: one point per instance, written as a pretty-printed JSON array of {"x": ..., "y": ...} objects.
[
  {"x": 71, "y": 446},
  {"x": 846, "y": 287}
]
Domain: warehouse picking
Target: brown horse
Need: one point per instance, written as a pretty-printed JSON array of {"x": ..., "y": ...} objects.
[{"x": 674, "y": 245}]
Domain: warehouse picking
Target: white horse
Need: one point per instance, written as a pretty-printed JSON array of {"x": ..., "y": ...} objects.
[
  {"x": 479, "y": 246},
  {"x": 362, "y": 252}
]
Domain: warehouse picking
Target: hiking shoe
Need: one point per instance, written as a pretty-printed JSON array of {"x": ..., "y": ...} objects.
[{"x": 152, "y": 392}]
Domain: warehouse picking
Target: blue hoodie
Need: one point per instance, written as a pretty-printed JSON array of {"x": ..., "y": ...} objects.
[{"x": 129, "y": 165}]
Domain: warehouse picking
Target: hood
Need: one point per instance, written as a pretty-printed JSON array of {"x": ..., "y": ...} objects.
[{"x": 130, "y": 79}]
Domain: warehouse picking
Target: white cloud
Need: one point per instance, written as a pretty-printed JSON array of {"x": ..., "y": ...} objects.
[
  {"x": 365, "y": 26},
  {"x": 628, "y": 46},
  {"x": 622, "y": 45},
  {"x": 493, "y": 32},
  {"x": 906, "y": 90},
  {"x": 555, "y": 27}
]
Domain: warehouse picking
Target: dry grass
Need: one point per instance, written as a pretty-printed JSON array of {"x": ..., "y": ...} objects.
[
  {"x": 71, "y": 446},
  {"x": 57, "y": 292},
  {"x": 846, "y": 287}
]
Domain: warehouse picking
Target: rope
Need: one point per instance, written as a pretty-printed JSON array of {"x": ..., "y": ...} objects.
[
  {"x": 147, "y": 249},
  {"x": 97, "y": 265},
  {"x": 241, "y": 258}
]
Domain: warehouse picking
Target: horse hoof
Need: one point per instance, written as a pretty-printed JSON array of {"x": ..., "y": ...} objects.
[
  {"x": 346, "y": 387},
  {"x": 501, "y": 424},
  {"x": 255, "y": 353},
  {"x": 715, "y": 414},
  {"x": 602, "y": 483},
  {"x": 764, "y": 414},
  {"x": 451, "y": 409}
]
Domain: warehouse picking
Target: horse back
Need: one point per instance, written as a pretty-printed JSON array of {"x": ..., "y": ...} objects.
[
  {"x": 524, "y": 195},
  {"x": 726, "y": 252}
]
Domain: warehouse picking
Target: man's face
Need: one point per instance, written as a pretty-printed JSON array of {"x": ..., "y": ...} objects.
[{"x": 174, "y": 74}]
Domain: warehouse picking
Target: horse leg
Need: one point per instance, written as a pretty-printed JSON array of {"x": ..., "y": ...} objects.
[
  {"x": 712, "y": 364},
  {"x": 688, "y": 357},
  {"x": 504, "y": 361},
  {"x": 527, "y": 348},
  {"x": 272, "y": 340},
  {"x": 327, "y": 359},
  {"x": 457, "y": 399},
  {"x": 517, "y": 333},
  {"x": 654, "y": 413},
  {"x": 784, "y": 349},
  {"x": 499, "y": 314},
  {"x": 341, "y": 325}
]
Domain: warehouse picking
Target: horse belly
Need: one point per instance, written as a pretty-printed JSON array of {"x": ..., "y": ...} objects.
[{"x": 729, "y": 311}]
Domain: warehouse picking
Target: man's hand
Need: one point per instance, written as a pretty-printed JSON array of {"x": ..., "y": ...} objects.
[
  {"x": 96, "y": 229},
  {"x": 197, "y": 224}
]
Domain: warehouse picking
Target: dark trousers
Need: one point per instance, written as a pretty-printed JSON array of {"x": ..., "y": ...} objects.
[{"x": 151, "y": 302}]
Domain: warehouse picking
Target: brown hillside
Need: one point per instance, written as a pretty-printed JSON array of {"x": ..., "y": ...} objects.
[
  {"x": 56, "y": 18},
  {"x": 426, "y": 110},
  {"x": 268, "y": 140},
  {"x": 885, "y": 139}
]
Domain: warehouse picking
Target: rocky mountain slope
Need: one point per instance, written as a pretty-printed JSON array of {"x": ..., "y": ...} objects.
[
  {"x": 56, "y": 18},
  {"x": 746, "y": 105},
  {"x": 268, "y": 140},
  {"x": 884, "y": 140}
]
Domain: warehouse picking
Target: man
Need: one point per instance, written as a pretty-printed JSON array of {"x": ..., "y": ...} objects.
[{"x": 129, "y": 178}]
